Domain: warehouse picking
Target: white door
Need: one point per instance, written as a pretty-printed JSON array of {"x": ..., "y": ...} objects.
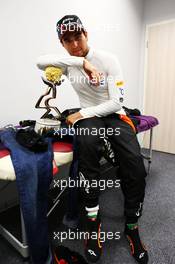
[{"x": 159, "y": 98}]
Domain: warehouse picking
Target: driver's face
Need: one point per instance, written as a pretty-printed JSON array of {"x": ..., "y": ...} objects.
[{"x": 76, "y": 43}]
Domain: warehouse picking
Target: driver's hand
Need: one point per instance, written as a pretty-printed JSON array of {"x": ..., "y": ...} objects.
[
  {"x": 71, "y": 119},
  {"x": 92, "y": 72}
]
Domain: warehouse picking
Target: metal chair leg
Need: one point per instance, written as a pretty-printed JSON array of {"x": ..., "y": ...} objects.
[
  {"x": 21, "y": 247},
  {"x": 149, "y": 156}
]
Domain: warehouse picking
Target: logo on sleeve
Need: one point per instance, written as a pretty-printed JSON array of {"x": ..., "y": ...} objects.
[{"x": 119, "y": 83}]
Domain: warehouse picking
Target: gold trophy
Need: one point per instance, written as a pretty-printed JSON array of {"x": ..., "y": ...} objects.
[{"x": 48, "y": 121}]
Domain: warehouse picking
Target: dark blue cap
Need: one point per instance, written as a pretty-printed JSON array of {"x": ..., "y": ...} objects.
[{"x": 68, "y": 23}]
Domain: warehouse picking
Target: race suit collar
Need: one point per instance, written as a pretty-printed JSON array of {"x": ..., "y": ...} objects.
[{"x": 89, "y": 54}]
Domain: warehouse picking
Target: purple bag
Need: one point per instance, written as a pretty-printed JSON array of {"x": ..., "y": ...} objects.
[{"x": 146, "y": 122}]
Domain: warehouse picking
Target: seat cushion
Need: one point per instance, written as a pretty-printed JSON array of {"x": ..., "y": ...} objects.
[{"x": 62, "y": 154}]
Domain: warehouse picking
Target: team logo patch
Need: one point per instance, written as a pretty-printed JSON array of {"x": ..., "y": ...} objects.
[{"x": 119, "y": 83}]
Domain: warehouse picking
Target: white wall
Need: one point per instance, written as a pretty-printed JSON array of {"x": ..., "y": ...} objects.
[
  {"x": 28, "y": 30},
  {"x": 158, "y": 10},
  {"x": 155, "y": 11}
]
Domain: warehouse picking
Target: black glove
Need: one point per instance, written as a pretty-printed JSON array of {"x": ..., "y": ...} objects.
[
  {"x": 135, "y": 112},
  {"x": 29, "y": 139},
  {"x": 24, "y": 123}
]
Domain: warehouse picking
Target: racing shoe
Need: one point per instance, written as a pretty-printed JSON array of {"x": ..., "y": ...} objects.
[
  {"x": 138, "y": 250},
  {"x": 93, "y": 247}
]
